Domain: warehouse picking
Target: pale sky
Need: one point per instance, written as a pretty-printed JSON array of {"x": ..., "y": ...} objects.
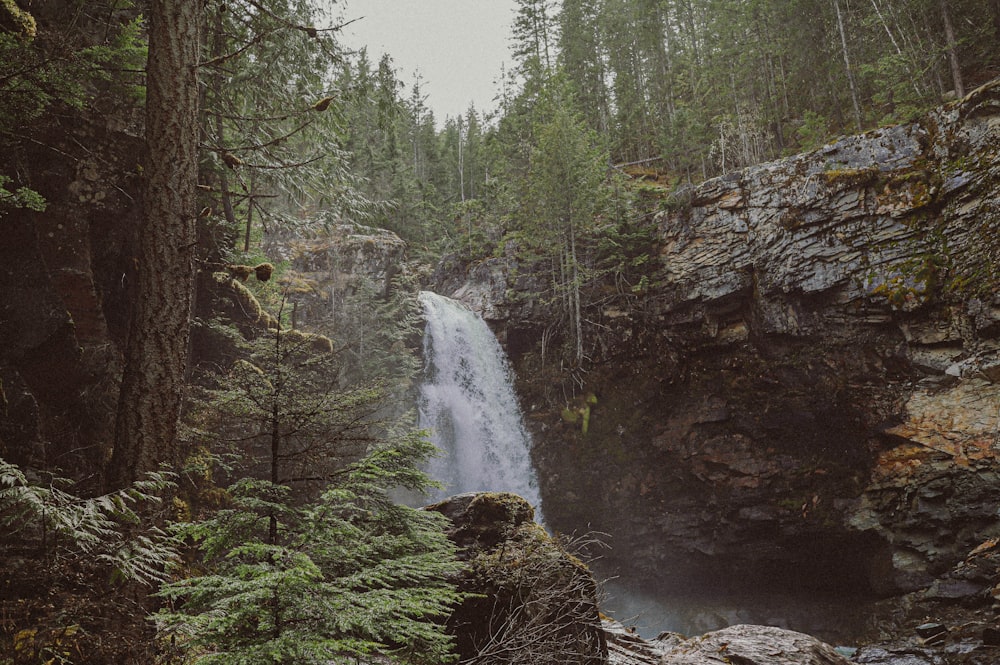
[{"x": 457, "y": 46}]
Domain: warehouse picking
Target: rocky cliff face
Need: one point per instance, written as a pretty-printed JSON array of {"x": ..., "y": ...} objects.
[
  {"x": 65, "y": 275},
  {"x": 330, "y": 267},
  {"x": 807, "y": 396}
]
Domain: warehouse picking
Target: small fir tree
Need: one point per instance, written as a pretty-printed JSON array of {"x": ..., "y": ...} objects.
[
  {"x": 311, "y": 561},
  {"x": 350, "y": 575}
]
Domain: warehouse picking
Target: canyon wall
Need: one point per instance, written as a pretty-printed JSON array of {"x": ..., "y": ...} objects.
[{"x": 806, "y": 395}]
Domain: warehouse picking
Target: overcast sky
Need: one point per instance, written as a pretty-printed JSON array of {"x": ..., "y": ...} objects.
[{"x": 457, "y": 46}]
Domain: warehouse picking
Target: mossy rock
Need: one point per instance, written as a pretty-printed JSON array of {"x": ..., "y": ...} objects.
[
  {"x": 528, "y": 596},
  {"x": 482, "y": 520},
  {"x": 850, "y": 177}
]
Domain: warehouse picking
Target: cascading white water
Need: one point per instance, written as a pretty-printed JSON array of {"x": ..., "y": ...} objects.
[{"x": 467, "y": 401}]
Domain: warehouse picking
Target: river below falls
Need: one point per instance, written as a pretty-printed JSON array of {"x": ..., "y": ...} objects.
[{"x": 838, "y": 620}]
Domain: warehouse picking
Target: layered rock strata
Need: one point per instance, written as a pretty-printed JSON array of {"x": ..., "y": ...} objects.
[{"x": 805, "y": 398}]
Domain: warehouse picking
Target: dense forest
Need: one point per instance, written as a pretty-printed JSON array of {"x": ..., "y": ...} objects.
[
  {"x": 219, "y": 487},
  {"x": 689, "y": 89}
]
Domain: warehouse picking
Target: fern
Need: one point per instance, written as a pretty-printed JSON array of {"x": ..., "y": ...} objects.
[{"x": 107, "y": 528}]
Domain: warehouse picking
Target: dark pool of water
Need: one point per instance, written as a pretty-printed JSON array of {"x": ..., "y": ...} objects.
[{"x": 834, "y": 619}]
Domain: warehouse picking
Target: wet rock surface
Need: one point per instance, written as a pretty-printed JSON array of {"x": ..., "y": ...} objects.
[
  {"x": 753, "y": 645},
  {"x": 627, "y": 648},
  {"x": 742, "y": 644},
  {"x": 330, "y": 267}
]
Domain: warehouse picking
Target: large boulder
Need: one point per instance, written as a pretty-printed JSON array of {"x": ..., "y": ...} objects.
[
  {"x": 531, "y": 600},
  {"x": 753, "y": 645},
  {"x": 742, "y": 644}
]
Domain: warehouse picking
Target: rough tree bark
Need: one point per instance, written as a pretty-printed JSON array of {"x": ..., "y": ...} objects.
[
  {"x": 995, "y": 11},
  {"x": 156, "y": 353}
]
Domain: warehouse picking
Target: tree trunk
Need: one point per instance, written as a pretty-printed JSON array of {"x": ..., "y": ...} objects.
[
  {"x": 250, "y": 205},
  {"x": 156, "y": 353},
  {"x": 461, "y": 161},
  {"x": 949, "y": 35},
  {"x": 895, "y": 45},
  {"x": 995, "y": 12},
  {"x": 272, "y": 529},
  {"x": 218, "y": 81},
  {"x": 577, "y": 318},
  {"x": 847, "y": 65}
]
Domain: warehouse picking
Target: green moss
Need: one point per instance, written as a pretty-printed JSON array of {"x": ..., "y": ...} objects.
[
  {"x": 181, "y": 509},
  {"x": 263, "y": 271},
  {"x": 790, "y": 504},
  {"x": 246, "y": 301},
  {"x": 848, "y": 177},
  {"x": 17, "y": 20},
  {"x": 911, "y": 190},
  {"x": 579, "y": 412},
  {"x": 303, "y": 340},
  {"x": 909, "y": 284}
]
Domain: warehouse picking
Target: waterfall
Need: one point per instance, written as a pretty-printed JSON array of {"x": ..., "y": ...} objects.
[{"x": 467, "y": 401}]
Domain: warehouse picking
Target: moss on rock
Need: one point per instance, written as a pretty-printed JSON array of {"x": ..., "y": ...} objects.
[{"x": 529, "y": 599}]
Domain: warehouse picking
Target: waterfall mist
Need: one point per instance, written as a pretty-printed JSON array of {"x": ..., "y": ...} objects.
[{"x": 467, "y": 401}]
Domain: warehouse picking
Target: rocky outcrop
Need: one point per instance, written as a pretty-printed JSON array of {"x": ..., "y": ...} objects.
[
  {"x": 530, "y": 600},
  {"x": 482, "y": 286},
  {"x": 964, "y": 604},
  {"x": 805, "y": 398},
  {"x": 332, "y": 266},
  {"x": 66, "y": 275},
  {"x": 627, "y": 648},
  {"x": 753, "y": 645},
  {"x": 744, "y": 644}
]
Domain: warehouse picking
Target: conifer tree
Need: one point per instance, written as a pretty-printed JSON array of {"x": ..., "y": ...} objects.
[
  {"x": 348, "y": 576},
  {"x": 534, "y": 37},
  {"x": 312, "y": 561},
  {"x": 680, "y": 71},
  {"x": 156, "y": 354},
  {"x": 272, "y": 122},
  {"x": 52, "y": 69},
  {"x": 566, "y": 192},
  {"x": 582, "y": 56}
]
